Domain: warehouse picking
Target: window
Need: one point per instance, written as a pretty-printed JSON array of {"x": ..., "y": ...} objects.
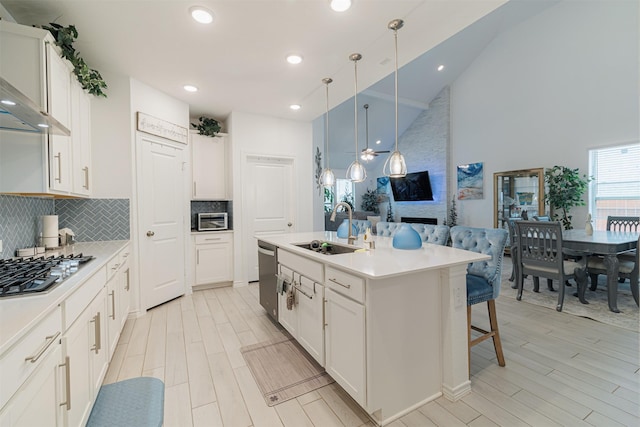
[
  {"x": 344, "y": 191},
  {"x": 615, "y": 189}
]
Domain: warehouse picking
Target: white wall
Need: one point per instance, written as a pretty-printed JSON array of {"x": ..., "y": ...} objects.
[
  {"x": 255, "y": 134},
  {"x": 544, "y": 93},
  {"x": 111, "y": 140}
]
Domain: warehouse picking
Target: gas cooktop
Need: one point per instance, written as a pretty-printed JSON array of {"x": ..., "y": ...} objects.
[{"x": 31, "y": 276}]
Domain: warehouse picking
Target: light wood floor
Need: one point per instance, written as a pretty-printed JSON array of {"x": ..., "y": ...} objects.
[{"x": 561, "y": 370}]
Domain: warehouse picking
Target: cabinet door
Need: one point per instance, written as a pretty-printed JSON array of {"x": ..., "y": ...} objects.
[
  {"x": 125, "y": 292},
  {"x": 311, "y": 318},
  {"x": 37, "y": 402},
  {"x": 59, "y": 74},
  {"x": 287, "y": 318},
  {"x": 99, "y": 350},
  {"x": 213, "y": 263},
  {"x": 80, "y": 140},
  {"x": 345, "y": 345},
  {"x": 59, "y": 163},
  {"x": 77, "y": 343},
  {"x": 209, "y": 168},
  {"x": 114, "y": 291}
]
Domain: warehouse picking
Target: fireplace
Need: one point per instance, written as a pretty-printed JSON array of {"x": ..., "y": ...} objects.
[{"x": 418, "y": 220}]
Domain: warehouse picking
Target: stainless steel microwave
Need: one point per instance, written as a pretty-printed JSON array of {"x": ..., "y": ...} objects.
[{"x": 212, "y": 221}]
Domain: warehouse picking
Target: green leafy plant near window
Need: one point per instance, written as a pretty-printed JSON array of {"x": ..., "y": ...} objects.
[
  {"x": 90, "y": 79},
  {"x": 207, "y": 126},
  {"x": 565, "y": 188},
  {"x": 370, "y": 202}
]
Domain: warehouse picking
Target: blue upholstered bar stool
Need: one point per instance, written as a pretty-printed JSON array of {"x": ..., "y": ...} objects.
[
  {"x": 430, "y": 233},
  {"x": 483, "y": 278},
  {"x": 387, "y": 229},
  {"x": 361, "y": 225}
]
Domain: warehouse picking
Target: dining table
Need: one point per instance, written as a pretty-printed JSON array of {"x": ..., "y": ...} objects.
[{"x": 608, "y": 244}]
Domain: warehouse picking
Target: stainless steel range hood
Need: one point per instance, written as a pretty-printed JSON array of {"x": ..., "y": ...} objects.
[{"x": 19, "y": 113}]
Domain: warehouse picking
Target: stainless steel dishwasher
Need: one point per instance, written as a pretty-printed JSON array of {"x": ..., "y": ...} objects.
[{"x": 267, "y": 269}]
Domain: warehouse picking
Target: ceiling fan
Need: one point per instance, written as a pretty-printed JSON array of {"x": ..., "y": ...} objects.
[{"x": 369, "y": 153}]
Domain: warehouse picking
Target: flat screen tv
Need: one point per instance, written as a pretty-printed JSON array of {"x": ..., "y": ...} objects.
[{"x": 413, "y": 187}]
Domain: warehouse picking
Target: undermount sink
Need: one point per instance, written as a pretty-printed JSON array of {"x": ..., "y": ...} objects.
[{"x": 326, "y": 248}]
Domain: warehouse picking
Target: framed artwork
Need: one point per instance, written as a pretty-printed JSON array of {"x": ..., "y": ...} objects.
[{"x": 470, "y": 181}]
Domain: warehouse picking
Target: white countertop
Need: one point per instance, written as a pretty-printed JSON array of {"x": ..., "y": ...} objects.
[
  {"x": 383, "y": 261},
  {"x": 19, "y": 314}
]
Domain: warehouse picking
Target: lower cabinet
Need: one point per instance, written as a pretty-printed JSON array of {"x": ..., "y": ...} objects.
[
  {"x": 213, "y": 258},
  {"x": 345, "y": 344},
  {"x": 86, "y": 360},
  {"x": 118, "y": 300},
  {"x": 36, "y": 403}
]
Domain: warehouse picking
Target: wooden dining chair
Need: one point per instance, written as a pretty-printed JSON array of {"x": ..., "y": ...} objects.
[
  {"x": 483, "y": 278},
  {"x": 539, "y": 246}
]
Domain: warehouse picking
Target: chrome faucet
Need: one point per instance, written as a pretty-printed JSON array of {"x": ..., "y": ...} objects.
[{"x": 351, "y": 239}]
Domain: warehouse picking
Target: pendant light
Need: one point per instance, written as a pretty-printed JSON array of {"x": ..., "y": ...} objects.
[
  {"x": 356, "y": 171},
  {"x": 327, "y": 178},
  {"x": 368, "y": 153},
  {"x": 395, "y": 166}
]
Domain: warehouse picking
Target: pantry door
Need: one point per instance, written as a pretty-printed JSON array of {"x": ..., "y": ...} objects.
[
  {"x": 268, "y": 201},
  {"x": 161, "y": 226}
]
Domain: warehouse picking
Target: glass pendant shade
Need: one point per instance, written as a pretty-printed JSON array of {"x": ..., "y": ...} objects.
[
  {"x": 395, "y": 166},
  {"x": 327, "y": 178},
  {"x": 356, "y": 172}
]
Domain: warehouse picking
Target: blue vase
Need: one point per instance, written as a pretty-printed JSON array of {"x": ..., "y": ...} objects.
[
  {"x": 343, "y": 229},
  {"x": 407, "y": 238}
]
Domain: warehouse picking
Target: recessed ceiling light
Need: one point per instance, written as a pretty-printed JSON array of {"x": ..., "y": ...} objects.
[
  {"x": 190, "y": 88},
  {"x": 294, "y": 58},
  {"x": 295, "y": 107},
  {"x": 43, "y": 125},
  {"x": 340, "y": 5},
  {"x": 201, "y": 14},
  {"x": 8, "y": 102},
  {"x": 378, "y": 142},
  {"x": 440, "y": 67}
]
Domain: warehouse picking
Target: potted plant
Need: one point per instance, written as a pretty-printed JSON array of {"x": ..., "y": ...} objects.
[
  {"x": 89, "y": 79},
  {"x": 565, "y": 187},
  {"x": 370, "y": 202},
  {"x": 207, "y": 126}
]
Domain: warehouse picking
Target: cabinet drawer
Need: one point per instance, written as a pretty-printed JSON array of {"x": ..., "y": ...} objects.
[
  {"x": 209, "y": 238},
  {"x": 82, "y": 297},
  {"x": 36, "y": 344},
  {"x": 302, "y": 265},
  {"x": 345, "y": 283}
]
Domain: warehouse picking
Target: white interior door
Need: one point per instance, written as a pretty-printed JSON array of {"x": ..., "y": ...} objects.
[
  {"x": 268, "y": 201},
  {"x": 161, "y": 201}
]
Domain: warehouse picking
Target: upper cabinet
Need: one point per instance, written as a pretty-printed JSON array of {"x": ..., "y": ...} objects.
[
  {"x": 35, "y": 163},
  {"x": 518, "y": 195},
  {"x": 210, "y": 172}
]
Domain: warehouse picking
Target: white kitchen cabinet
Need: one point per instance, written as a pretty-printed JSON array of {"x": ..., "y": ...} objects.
[
  {"x": 310, "y": 297},
  {"x": 38, "y": 401},
  {"x": 345, "y": 344},
  {"x": 118, "y": 289},
  {"x": 30, "y": 378},
  {"x": 209, "y": 167},
  {"x": 86, "y": 357},
  {"x": 60, "y": 163},
  {"x": 213, "y": 255},
  {"x": 81, "y": 172},
  {"x": 287, "y": 317}
]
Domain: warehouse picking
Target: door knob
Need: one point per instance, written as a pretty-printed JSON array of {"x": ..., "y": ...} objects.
[
  {"x": 150, "y": 233},
  {"x": 289, "y": 224}
]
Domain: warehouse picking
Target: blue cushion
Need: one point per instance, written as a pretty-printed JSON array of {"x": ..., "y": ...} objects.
[{"x": 478, "y": 290}]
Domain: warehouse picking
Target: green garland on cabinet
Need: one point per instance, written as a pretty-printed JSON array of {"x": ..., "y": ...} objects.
[{"x": 90, "y": 79}]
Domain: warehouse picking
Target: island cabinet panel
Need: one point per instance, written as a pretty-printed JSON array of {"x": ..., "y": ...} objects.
[
  {"x": 305, "y": 266},
  {"x": 309, "y": 296},
  {"x": 287, "y": 316},
  {"x": 345, "y": 344}
]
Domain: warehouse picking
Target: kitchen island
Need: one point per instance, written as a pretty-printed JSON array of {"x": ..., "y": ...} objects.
[{"x": 388, "y": 325}]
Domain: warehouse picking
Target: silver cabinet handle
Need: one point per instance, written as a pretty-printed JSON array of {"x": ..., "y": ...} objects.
[
  {"x": 115, "y": 267},
  {"x": 212, "y": 239},
  {"x": 127, "y": 285},
  {"x": 150, "y": 233},
  {"x": 86, "y": 177},
  {"x": 98, "y": 340},
  {"x": 48, "y": 341},
  {"x": 59, "y": 157},
  {"x": 341, "y": 284},
  {"x": 112, "y": 294},
  {"x": 67, "y": 365}
]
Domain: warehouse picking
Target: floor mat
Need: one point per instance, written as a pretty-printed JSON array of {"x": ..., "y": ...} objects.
[
  {"x": 135, "y": 402},
  {"x": 283, "y": 370}
]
